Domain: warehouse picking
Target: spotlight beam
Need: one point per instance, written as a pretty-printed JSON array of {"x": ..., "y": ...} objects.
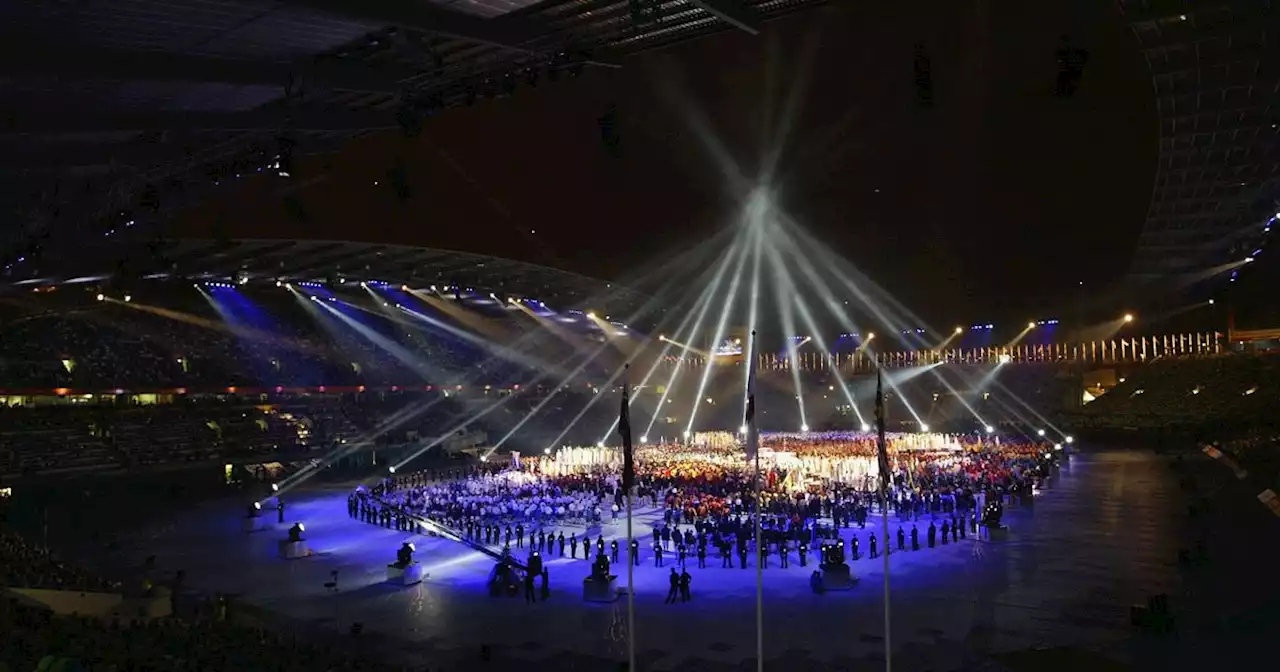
[
  {"x": 710, "y": 293},
  {"x": 783, "y": 283},
  {"x": 812, "y": 325},
  {"x": 722, "y": 324}
]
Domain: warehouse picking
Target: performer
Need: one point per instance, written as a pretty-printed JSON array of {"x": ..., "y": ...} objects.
[
  {"x": 702, "y": 556},
  {"x": 902, "y": 539},
  {"x": 657, "y": 555},
  {"x": 915, "y": 538},
  {"x": 946, "y": 531},
  {"x": 872, "y": 544},
  {"x": 519, "y": 535},
  {"x": 685, "y": 580},
  {"x": 933, "y": 534},
  {"x": 613, "y": 550},
  {"x": 804, "y": 554},
  {"x": 560, "y": 540},
  {"x": 674, "y": 579},
  {"x": 573, "y": 545},
  {"x": 635, "y": 552},
  {"x": 280, "y": 510},
  {"x": 782, "y": 552}
]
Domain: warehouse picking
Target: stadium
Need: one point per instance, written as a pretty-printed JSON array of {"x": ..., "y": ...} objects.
[{"x": 326, "y": 338}]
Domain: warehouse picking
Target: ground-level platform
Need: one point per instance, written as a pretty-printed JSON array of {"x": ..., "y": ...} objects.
[{"x": 1102, "y": 536}]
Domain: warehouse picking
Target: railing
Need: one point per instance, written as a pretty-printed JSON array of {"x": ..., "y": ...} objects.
[{"x": 1137, "y": 349}]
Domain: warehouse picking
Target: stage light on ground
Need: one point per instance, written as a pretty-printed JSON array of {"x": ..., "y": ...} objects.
[
  {"x": 275, "y": 487},
  {"x": 1211, "y": 302},
  {"x": 1004, "y": 358},
  {"x": 591, "y": 315},
  {"x": 1039, "y": 432},
  {"x": 1071, "y": 439},
  {"x": 644, "y": 439},
  {"x": 1031, "y": 325},
  {"x": 484, "y": 458},
  {"x": 546, "y": 451},
  {"x": 990, "y": 429},
  {"x": 392, "y": 469},
  {"x": 599, "y": 444},
  {"x": 257, "y": 506},
  {"x": 1128, "y": 317},
  {"x": 870, "y": 336},
  {"x": 959, "y": 330},
  {"x": 866, "y": 427},
  {"x": 101, "y": 297},
  {"x": 804, "y": 428},
  {"x": 1057, "y": 446},
  {"x": 128, "y": 298},
  {"x": 662, "y": 337},
  {"x": 742, "y": 429},
  {"x": 924, "y": 428},
  {"x": 687, "y": 434}
]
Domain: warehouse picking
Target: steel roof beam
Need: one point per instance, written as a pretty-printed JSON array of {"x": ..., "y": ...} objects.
[
  {"x": 20, "y": 60},
  {"x": 731, "y": 12},
  {"x": 71, "y": 121},
  {"x": 507, "y": 32}
]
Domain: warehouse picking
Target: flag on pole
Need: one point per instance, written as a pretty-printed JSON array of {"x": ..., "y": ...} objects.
[
  {"x": 880, "y": 443},
  {"x": 749, "y": 418},
  {"x": 624, "y": 429}
]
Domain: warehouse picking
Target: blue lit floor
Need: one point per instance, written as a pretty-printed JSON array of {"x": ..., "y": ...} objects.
[{"x": 1102, "y": 536}]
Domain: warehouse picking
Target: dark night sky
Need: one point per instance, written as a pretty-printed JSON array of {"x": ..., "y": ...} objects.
[{"x": 991, "y": 206}]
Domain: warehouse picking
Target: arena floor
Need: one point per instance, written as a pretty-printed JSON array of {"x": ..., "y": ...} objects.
[{"x": 1103, "y": 535}]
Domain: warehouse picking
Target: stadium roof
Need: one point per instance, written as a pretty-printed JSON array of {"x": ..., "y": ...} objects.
[
  {"x": 1218, "y": 98},
  {"x": 121, "y": 106},
  {"x": 124, "y": 265}
]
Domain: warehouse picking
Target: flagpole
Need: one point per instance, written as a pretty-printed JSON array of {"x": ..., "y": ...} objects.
[
  {"x": 753, "y": 444},
  {"x": 884, "y": 518},
  {"x": 631, "y": 593},
  {"x": 628, "y": 484},
  {"x": 759, "y": 574}
]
